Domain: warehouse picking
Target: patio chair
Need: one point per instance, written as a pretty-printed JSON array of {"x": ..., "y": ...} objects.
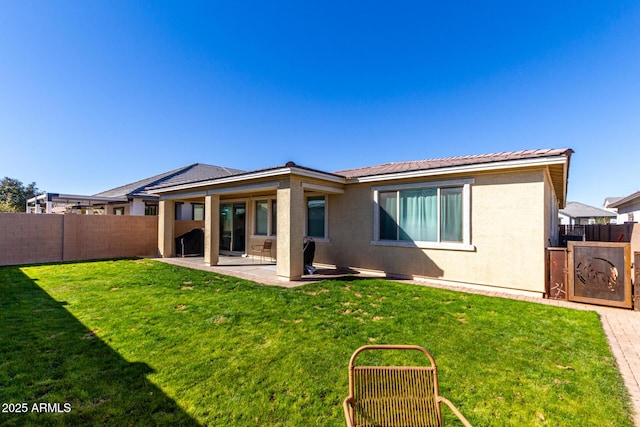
[
  {"x": 385, "y": 396},
  {"x": 262, "y": 249}
]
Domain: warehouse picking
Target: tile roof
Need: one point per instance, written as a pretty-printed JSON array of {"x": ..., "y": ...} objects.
[
  {"x": 239, "y": 175},
  {"x": 608, "y": 201},
  {"x": 416, "y": 165},
  {"x": 580, "y": 210},
  {"x": 191, "y": 173}
]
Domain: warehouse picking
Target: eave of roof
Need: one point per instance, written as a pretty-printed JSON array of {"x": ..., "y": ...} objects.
[
  {"x": 624, "y": 200},
  {"x": 557, "y": 160},
  {"x": 289, "y": 168},
  {"x": 474, "y": 161}
]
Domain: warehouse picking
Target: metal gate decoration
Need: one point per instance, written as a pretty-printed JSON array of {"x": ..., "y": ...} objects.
[
  {"x": 600, "y": 273},
  {"x": 636, "y": 280},
  {"x": 557, "y": 273}
]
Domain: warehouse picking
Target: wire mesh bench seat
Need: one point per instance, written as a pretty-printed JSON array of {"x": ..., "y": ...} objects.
[{"x": 395, "y": 396}]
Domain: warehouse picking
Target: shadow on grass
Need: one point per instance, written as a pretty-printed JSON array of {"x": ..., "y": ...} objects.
[{"x": 50, "y": 359}]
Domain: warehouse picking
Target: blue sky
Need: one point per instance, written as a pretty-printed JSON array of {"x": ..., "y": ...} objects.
[{"x": 95, "y": 94}]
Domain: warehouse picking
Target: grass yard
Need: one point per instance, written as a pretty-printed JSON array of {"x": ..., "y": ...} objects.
[{"x": 139, "y": 342}]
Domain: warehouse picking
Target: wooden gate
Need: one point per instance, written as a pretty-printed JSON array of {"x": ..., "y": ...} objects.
[{"x": 600, "y": 273}]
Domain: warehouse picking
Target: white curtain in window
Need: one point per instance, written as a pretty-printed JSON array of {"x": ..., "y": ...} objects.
[
  {"x": 419, "y": 215},
  {"x": 451, "y": 215}
]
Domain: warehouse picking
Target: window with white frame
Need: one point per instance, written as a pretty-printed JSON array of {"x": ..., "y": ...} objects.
[
  {"x": 265, "y": 217},
  {"x": 425, "y": 215},
  {"x": 317, "y": 217}
]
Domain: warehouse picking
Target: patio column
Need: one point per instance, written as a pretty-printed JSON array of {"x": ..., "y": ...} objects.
[
  {"x": 211, "y": 229},
  {"x": 291, "y": 214},
  {"x": 166, "y": 215}
]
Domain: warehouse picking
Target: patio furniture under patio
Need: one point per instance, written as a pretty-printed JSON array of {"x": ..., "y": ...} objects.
[{"x": 262, "y": 249}]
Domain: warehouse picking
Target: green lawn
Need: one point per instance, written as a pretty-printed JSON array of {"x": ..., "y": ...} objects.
[{"x": 138, "y": 342}]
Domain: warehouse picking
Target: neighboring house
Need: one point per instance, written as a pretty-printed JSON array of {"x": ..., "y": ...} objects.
[
  {"x": 481, "y": 220},
  {"x": 575, "y": 213},
  {"x": 627, "y": 208},
  {"x": 133, "y": 198},
  {"x": 608, "y": 201}
]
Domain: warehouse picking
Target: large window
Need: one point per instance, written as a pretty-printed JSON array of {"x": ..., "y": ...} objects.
[
  {"x": 265, "y": 218},
  {"x": 424, "y": 215},
  {"x": 316, "y": 217}
]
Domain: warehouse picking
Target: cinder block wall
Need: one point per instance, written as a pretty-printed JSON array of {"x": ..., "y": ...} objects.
[
  {"x": 28, "y": 238},
  {"x": 110, "y": 236}
]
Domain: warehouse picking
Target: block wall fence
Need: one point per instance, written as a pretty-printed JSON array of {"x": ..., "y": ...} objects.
[{"x": 29, "y": 238}]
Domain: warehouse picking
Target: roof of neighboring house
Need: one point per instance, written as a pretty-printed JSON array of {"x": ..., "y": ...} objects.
[
  {"x": 580, "y": 210},
  {"x": 191, "y": 173},
  {"x": 608, "y": 201},
  {"x": 635, "y": 197},
  {"x": 416, "y": 165}
]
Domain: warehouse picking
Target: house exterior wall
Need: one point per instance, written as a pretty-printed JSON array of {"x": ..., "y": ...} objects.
[
  {"x": 564, "y": 219},
  {"x": 136, "y": 207},
  {"x": 510, "y": 224},
  {"x": 512, "y": 217},
  {"x": 184, "y": 226},
  {"x": 551, "y": 210},
  {"x": 629, "y": 212}
]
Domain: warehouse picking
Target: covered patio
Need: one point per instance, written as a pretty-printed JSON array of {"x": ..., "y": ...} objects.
[
  {"x": 284, "y": 205},
  {"x": 262, "y": 272}
]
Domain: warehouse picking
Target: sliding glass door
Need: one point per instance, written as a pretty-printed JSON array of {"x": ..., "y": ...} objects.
[{"x": 233, "y": 226}]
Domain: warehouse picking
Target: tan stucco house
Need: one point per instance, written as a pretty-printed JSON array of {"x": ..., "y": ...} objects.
[
  {"x": 482, "y": 220},
  {"x": 626, "y": 208}
]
